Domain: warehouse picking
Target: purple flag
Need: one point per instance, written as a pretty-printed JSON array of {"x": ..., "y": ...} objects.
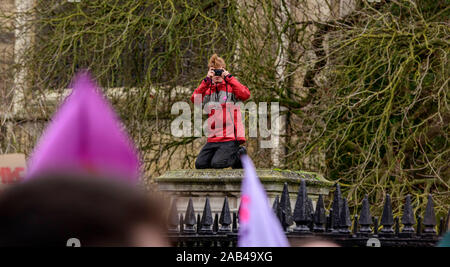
[
  {"x": 85, "y": 135},
  {"x": 258, "y": 225}
]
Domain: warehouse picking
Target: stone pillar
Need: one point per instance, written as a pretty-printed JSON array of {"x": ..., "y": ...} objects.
[
  {"x": 7, "y": 39},
  {"x": 23, "y": 40},
  {"x": 346, "y": 7},
  {"x": 279, "y": 123}
]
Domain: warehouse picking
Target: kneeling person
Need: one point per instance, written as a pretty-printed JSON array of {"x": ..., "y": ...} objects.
[{"x": 219, "y": 92}]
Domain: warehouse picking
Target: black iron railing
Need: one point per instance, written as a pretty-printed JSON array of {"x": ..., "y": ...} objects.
[{"x": 304, "y": 222}]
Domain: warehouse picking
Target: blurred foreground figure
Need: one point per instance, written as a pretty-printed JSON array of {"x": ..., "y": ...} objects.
[
  {"x": 86, "y": 135},
  {"x": 97, "y": 211}
]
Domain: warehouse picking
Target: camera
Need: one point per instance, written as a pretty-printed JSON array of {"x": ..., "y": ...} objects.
[{"x": 218, "y": 72}]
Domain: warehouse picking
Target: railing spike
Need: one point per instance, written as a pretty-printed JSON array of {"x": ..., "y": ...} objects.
[
  {"x": 345, "y": 220},
  {"x": 216, "y": 223},
  {"x": 365, "y": 218},
  {"x": 275, "y": 204},
  {"x": 225, "y": 217},
  {"x": 285, "y": 206},
  {"x": 419, "y": 226},
  {"x": 310, "y": 207},
  {"x": 429, "y": 219},
  {"x": 207, "y": 219},
  {"x": 239, "y": 210},
  {"x": 355, "y": 225},
  {"x": 375, "y": 225},
  {"x": 387, "y": 218},
  {"x": 302, "y": 216},
  {"x": 311, "y": 214},
  {"x": 319, "y": 216},
  {"x": 235, "y": 225},
  {"x": 447, "y": 222},
  {"x": 408, "y": 217},
  {"x": 173, "y": 217},
  {"x": 337, "y": 206},
  {"x": 181, "y": 224},
  {"x": 189, "y": 219},
  {"x": 441, "y": 226},
  {"x": 281, "y": 217},
  {"x": 279, "y": 213},
  {"x": 329, "y": 226},
  {"x": 397, "y": 225}
]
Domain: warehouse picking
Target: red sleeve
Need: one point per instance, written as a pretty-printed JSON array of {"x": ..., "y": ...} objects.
[
  {"x": 201, "y": 89},
  {"x": 240, "y": 91}
]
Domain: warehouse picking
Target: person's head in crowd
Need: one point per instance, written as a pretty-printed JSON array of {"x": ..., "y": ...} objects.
[
  {"x": 313, "y": 242},
  {"x": 50, "y": 210}
]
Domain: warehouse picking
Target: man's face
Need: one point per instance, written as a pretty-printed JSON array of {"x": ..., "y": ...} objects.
[{"x": 216, "y": 79}]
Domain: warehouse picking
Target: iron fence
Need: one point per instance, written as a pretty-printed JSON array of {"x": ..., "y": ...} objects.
[{"x": 305, "y": 222}]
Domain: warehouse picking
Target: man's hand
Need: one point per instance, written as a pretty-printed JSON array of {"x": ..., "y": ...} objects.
[
  {"x": 225, "y": 73},
  {"x": 210, "y": 73}
]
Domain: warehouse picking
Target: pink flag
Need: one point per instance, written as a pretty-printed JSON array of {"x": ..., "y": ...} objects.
[
  {"x": 258, "y": 226},
  {"x": 85, "y": 135}
]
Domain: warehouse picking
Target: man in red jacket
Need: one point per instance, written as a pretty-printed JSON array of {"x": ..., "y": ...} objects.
[{"x": 219, "y": 92}]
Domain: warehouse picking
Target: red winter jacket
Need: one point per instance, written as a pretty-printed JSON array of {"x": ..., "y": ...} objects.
[{"x": 223, "y": 96}]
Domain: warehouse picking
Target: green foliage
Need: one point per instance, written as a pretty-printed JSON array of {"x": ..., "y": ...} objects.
[
  {"x": 386, "y": 116},
  {"x": 368, "y": 91}
]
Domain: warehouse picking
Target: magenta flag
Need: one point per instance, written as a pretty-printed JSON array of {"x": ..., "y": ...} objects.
[
  {"x": 85, "y": 135},
  {"x": 258, "y": 225}
]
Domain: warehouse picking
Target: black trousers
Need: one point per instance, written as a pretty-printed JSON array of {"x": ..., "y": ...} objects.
[{"x": 218, "y": 155}]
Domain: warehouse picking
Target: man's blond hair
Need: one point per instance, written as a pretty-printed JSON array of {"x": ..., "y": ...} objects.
[{"x": 216, "y": 62}]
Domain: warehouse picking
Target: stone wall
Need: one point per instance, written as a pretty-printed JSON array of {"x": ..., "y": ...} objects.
[{"x": 216, "y": 184}]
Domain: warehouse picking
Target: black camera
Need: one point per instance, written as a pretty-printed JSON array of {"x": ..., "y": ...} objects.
[{"x": 218, "y": 72}]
